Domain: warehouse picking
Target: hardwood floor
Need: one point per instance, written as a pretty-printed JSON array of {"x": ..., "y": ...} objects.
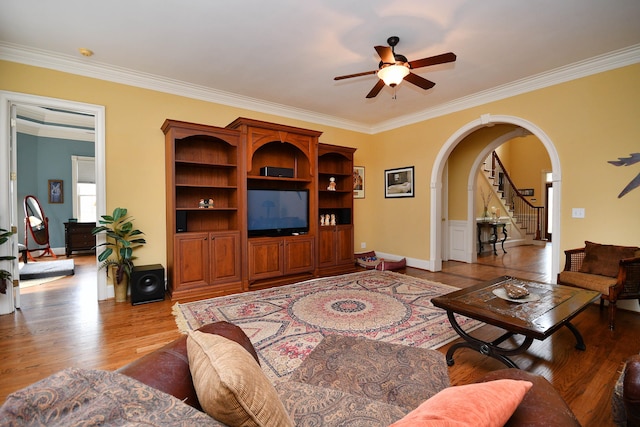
[{"x": 62, "y": 324}]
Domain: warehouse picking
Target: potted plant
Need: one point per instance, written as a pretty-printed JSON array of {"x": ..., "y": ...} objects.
[
  {"x": 4, "y": 274},
  {"x": 122, "y": 239}
]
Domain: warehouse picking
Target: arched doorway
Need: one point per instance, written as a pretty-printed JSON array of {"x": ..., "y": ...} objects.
[{"x": 439, "y": 222}]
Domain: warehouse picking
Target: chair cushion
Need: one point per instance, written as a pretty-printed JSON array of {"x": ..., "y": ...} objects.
[
  {"x": 604, "y": 260},
  {"x": 593, "y": 282},
  {"x": 390, "y": 373},
  {"x": 230, "y": 385}
]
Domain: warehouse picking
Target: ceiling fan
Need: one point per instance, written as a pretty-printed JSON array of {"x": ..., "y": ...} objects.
[{"x": 394, "y": 68}]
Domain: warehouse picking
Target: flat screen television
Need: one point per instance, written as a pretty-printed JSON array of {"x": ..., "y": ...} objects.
[{"x": 277, "y": 212}]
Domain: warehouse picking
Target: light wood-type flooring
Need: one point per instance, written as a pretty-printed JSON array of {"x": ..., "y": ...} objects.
[{"x": 61, "y": 324}]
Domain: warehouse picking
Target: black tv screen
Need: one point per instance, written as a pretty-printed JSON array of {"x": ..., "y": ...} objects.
[{"x": 277, "y": 212}]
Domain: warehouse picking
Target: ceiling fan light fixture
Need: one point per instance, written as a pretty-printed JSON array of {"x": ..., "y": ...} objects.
[{"x": 392, "y": 75}]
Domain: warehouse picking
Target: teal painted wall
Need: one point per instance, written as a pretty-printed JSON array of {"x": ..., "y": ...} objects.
[{"x": 39, "y": 160}]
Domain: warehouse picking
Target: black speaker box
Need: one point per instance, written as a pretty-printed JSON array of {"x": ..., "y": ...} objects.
[
  {"x": 147, "y": 284},
  {"x": 181, "y": 221},
  {"x": 279, "y": 172}
]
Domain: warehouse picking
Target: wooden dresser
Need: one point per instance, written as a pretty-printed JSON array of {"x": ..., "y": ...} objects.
[{"x": 78, "y": 237}]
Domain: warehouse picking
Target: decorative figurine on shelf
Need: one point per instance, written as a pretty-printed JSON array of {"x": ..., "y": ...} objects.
[
  {"x": 333, "y": 219},
  {"x": 204, "y": 204},
  {"x": 322, "y": 221},
  {"x": 332, "y": 184}
]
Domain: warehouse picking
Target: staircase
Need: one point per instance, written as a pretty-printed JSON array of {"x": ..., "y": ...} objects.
[{"x": 527, "y": 217}]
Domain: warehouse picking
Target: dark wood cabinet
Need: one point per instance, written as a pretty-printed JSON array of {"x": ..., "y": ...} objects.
[
  {"x": 335, "y": 243},
  {"x": 273, "y": 258},
  {"x": 78, "y": 237},
  {"x": 205, "y": 262},
  {"x": 208, "y": 172},
  {"x": 205, "y": 210},
  {"x": 336, "y": 249},
  {"x": 281, "y": 259}
]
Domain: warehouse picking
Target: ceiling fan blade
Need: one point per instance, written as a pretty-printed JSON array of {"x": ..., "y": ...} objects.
[
  {"x": 419, "y": 81},
  {"x": 386, "y": 54},
  {"x": 433, "y": 60},
  {"x": 376, "y": 89},
  {"x": 348, "y": 76}
]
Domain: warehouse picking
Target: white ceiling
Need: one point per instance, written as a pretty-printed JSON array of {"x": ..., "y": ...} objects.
[{"x": 281, "y": 56}]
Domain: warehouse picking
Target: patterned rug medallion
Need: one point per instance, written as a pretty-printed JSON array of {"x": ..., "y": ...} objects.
[{"x": 286, "y": 323}]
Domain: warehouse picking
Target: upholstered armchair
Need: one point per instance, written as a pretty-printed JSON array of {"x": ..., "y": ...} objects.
[{"x": 612, "y": 270}]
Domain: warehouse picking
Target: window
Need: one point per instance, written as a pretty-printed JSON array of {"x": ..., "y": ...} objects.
[{"x": 84, "y": 188}]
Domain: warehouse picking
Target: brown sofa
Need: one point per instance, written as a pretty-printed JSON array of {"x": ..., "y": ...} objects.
[
  {"x": 167, "y": 369},
  {"x": 626, "y": 395},
  {"x": 343, "y": 381}
]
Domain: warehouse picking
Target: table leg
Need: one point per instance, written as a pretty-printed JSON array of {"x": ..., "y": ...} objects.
[
  {"x": 479, "y": 240},
  {"x": 491, "y": 349},
  {"x": 576, "y": 333},
  {"x": 504, "y": 234},
  {"x": 494, "y": 238}
]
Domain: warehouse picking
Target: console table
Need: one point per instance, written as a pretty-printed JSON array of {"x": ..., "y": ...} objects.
[
  {"x": 493, "y": 237},
  {"x": 78, "y": 237}
]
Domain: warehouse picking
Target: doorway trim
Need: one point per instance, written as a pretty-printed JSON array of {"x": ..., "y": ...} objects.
[
  {"x": 487, "y": 120},
  {"x": 7, "y": 99}
]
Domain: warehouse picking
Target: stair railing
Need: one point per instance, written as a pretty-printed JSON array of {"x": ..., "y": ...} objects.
[{"x": 526, "y": 215}]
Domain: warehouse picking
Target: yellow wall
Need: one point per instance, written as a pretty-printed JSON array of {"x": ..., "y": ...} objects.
[
  {"x": 527, "y": 161},
  {"x": 134, "y": 142},
  {"x": 590, "y": 121}
]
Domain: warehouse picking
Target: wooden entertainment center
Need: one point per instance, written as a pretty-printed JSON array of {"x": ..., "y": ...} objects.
[{"x": 209, "y": 171}]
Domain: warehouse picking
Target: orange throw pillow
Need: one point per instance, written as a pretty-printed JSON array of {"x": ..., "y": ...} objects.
[{"x": 484, "y": 404}]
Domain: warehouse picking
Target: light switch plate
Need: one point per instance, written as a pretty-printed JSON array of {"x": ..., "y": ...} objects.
[{"x": 577, "y": 213}]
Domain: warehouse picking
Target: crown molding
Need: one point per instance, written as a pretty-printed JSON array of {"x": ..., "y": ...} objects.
[
  {"x": 58, "y": 132},
  {"x": 609, "y": 61},
  {"x": 80, "y": 66},
  {"x": 71, "y": 64}
]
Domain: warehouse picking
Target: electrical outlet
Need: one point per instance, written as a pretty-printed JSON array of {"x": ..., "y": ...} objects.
[
  {"x": 363, "y": 245},
  {"x": 577, "y": 213}
]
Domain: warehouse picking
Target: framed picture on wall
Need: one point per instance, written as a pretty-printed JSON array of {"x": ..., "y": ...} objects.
[
  {"x": 399, "y": 182},
  {"x": 358, "y": 182},
  {"x": 55, "y": 191},
  {"x": 527, "y": 192}
]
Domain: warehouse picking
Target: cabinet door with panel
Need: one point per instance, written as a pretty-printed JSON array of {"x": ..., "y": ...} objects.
[
  {"x": 327, "y": 255},
  {"x": 344, "y": 244},
  {"x": 336, "y": 246},
  {"x": 224, "y": 257},
  {"x": 266, "y": 258},
  {"x": 299, "y": 256},
  {"x": 190, "y": 269}
]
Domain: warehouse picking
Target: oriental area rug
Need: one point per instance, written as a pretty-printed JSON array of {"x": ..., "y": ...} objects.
[{"x": 287, "y": 322}]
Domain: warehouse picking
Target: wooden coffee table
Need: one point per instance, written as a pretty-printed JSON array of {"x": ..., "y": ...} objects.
[{"x": 550, "y": 308}]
